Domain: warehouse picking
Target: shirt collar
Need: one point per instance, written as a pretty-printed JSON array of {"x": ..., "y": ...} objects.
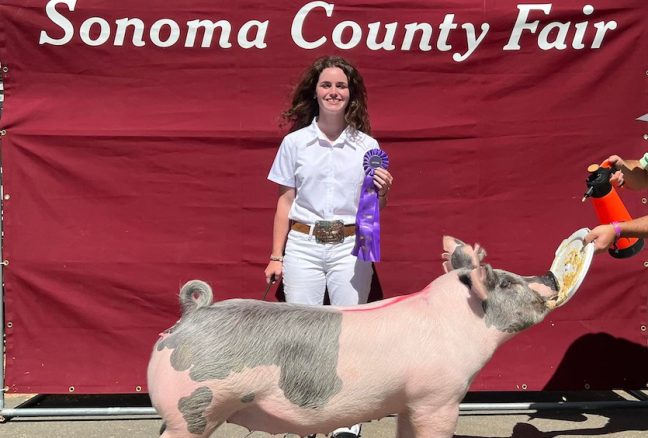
[{"x": 317, "y": 135}]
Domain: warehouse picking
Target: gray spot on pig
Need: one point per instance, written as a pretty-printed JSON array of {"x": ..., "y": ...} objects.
[
  {"x": 512, "y": 305},
  {"x": 193, "y": 409},
  {"x": 460, "y": 258},
  {"x": 224, "y": 338},
  {"x": 247, "y": 398},
  {"x": 193, "y": 295},
  {"x": 465, "y": 279}
]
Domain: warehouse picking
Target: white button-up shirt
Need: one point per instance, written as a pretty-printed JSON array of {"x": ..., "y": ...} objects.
[{"x": 327, "y": 177}]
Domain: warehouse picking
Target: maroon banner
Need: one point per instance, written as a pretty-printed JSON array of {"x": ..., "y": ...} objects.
[{"x": 139, "y": 134}]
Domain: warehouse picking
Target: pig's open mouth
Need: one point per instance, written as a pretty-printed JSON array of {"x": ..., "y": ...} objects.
[
  {"x": 550, "y": 280},
  {"x": 546, "y": 285}
]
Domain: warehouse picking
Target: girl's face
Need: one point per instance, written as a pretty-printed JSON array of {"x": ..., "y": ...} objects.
[{"x": 332, "y": 91}]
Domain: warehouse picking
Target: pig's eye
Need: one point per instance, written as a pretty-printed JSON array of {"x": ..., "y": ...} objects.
[{"x": 505, "y": 283}]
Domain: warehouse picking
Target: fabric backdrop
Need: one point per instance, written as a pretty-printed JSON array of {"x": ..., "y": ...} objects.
[{"x": 136, "y": 149}]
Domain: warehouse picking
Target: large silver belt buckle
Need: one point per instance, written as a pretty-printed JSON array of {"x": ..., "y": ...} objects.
[{"x": 329, "y": 231}]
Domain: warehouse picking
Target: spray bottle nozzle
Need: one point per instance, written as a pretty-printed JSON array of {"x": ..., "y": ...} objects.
[
  {"x": 588, "y": 193},
  {"x": 598, "y": 181}
]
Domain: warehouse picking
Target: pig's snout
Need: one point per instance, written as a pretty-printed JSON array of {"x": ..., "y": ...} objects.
[
  {"x": 552, "y": 281},
  {"x": 546, "y": 285}
]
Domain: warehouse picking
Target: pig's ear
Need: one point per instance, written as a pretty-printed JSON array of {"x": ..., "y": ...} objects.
[
  {"x": 459, "y": 255},
  {"x": 455, "y": 254},
  {"x": 480, "y": 251},
  {"x": 450, "y": 245},
  {"x": 477, "y": 283}
]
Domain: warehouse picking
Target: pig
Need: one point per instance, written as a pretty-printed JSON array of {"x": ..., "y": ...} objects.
[{"x": 287, "y": 368}]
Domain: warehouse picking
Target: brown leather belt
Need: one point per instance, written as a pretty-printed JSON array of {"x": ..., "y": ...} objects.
[{"x": 326, "y": 231}]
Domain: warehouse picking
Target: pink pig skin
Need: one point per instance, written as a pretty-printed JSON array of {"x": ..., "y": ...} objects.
[{"x": 414, "y": 356}]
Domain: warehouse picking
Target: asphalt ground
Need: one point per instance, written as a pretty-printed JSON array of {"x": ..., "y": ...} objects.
[{"x": 587, "y": 421}]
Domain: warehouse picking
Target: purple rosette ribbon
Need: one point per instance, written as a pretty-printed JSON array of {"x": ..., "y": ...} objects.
[{"x": 367, "y": 244}]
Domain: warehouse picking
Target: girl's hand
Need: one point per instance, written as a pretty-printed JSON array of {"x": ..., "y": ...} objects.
[
  {"x": 383, "y": 181},
  {"x": 273, "y": 271}
]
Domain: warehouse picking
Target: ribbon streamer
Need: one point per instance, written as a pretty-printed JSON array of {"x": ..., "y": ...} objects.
[{"x": 367, "y": 245}]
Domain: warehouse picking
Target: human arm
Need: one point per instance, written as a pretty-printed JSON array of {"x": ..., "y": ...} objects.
[
  {"x": 604, "y": 235},
  {"x": 383, "y": 181},
  {"x": 280, "y": 229},
  {"x": 631, "y": 174}
]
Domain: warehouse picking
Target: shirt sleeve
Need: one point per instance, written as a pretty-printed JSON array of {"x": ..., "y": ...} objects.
[
  {"x": 370, "y": 143},
  {"x": 283, "y": 168}
]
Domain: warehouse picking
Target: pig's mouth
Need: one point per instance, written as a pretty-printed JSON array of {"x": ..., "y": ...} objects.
[
  {"x": 550, "y": 280},
  {"x": 547, "y": 287},
  {"x": 485, "y": 278}
]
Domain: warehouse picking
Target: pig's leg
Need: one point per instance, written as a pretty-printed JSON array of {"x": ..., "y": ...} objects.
[
  {"x": 424, "y": 423},
  {"x": 183, "y": 433},
  {"x": 198, "y": 415},
  {"x": 404, "y": 428}
]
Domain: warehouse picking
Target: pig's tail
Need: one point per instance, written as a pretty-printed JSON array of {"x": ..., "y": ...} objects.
[{"x": 195, "y": 294}]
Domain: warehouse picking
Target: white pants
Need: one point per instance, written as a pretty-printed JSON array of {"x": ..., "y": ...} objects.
[{"x": 309, "y": 268}]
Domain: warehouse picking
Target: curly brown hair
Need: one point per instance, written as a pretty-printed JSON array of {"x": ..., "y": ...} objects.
[{"x": 304, "y": 107}]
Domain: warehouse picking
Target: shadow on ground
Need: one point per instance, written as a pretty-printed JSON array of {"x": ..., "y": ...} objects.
[{"x": 625, "y": 422}]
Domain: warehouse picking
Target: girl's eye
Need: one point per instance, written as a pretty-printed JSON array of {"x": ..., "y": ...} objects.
[{"x": 341, "y": 85}]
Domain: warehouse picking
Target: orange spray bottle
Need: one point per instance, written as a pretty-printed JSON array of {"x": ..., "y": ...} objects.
[{"x": 609, "y": 208}]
